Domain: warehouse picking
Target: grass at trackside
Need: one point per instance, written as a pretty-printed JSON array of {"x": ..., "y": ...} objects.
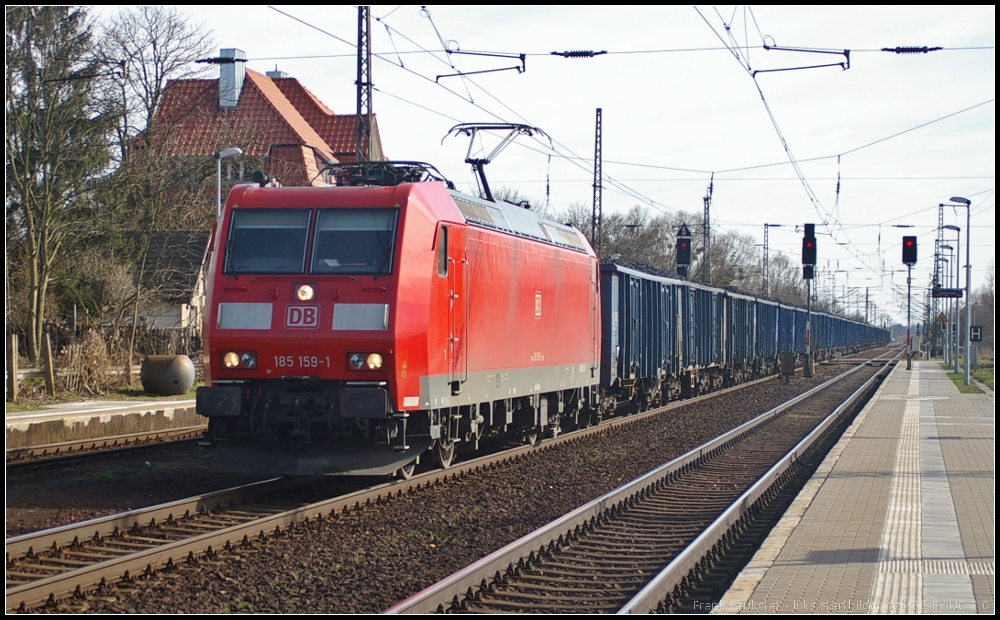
[
  {"x": 21, "y": 407},
  {"x": 984, "y": 375},
  {"x": 128, "y": 393}
]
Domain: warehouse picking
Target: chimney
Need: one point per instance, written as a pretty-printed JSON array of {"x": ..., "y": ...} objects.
[
  {"x": 276, "y": 74},
  {"x": 231, "y": 76}
]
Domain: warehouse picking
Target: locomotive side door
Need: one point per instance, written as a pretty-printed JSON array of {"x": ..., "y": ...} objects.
[
  {"x": 595, "y": 328},
  {"x": 458, "y": 309}
]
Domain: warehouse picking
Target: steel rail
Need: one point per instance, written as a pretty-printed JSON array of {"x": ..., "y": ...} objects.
[
  {"x": 650, "y": 596},
  {"x": 102, "y": 527},
  {"x": 456, "y": 586},
  {"x": 59, "y": 585},
  {"x": 83, "y": 448}
]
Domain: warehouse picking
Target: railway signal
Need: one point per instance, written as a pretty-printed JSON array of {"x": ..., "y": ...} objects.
[
  {"x": 809, "y": 245},
  {"x": 909, "y": 250},
  {"x": 683, "y": 250},
  {"x": 808, "y": 271},
  {"x": 909, "y": 259}
]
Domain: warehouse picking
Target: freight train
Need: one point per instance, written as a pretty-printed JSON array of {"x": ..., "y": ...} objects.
[{"x": 354, "y": 329}]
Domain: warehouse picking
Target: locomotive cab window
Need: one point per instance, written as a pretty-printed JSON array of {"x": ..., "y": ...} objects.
[
  {"x": 267, "y": 241},
  {"x": 354, "y": 241}
]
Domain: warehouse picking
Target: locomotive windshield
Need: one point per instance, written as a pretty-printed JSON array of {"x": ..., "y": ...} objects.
[
  {"x": 268, "y": 241},
  {"x": 354, "y": 241},
  {"x": 350, "y": 241}
]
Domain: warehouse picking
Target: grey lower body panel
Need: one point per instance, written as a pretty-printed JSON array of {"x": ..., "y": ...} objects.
[{"x": 493, "y": 385}]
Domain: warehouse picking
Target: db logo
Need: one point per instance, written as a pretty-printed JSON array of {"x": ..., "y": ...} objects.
[{"x": 302, "y": 316}]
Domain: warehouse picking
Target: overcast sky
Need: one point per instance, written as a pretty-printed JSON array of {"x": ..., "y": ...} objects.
[{"x": 677, "y": 106}]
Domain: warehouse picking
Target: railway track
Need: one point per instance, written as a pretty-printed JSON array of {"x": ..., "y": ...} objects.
[
  {"x": 54, "y": 564},
  {"x": 639, "y": 548},
  {"x": 71, "y": 451},
  {"x": 64, "y": 452},
  {"x": 51, "y": 564}
]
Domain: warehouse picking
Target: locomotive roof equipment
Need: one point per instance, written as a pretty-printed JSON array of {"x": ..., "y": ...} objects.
[
  {"x": 478, "y": 163},
  {"x": 385, "y": 173}
]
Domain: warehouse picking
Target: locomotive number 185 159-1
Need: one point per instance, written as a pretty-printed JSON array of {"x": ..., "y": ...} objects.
[{"x": 301, "y": 361}]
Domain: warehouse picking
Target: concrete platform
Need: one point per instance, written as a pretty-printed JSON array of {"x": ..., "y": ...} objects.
[
  {"x": 94, "y": 419},
  {"x": 899, "y": 518}
]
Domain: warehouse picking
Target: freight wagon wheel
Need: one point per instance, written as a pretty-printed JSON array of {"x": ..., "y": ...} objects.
[
  {"x": 531, "y": 437},
  {"x": 444, "y": 453}
]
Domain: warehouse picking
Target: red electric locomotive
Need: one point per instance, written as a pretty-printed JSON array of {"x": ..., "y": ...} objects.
[{"x": 350, "y": 329}]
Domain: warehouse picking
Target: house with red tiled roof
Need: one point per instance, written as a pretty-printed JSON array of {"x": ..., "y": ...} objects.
[{"x": 282, "y": 127}]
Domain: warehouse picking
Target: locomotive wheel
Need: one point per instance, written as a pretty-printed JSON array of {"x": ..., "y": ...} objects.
[
  {"x": 406, "y": 471},
  {"x": 444, "y": 453}
]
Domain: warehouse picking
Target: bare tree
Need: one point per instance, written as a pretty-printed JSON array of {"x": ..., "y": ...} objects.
[
  {"x": 577, "y": 214},
  {"x": 735, "y": 262},
  {"x": 100, "y": 285},
  {"x": 152, "y": 44},
  {"x": 58, "y": 125},
  {"x": 786, "y": 283},
  {"x": 636, "y": 237},
  {"x": 639, "y": 238}
]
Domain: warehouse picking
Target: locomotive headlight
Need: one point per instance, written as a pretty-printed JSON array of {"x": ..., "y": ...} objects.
[
  {"x": 239, "y": 359},
  {"x": 305, "y": 292},
  {"x": 365, "y": 361}
]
